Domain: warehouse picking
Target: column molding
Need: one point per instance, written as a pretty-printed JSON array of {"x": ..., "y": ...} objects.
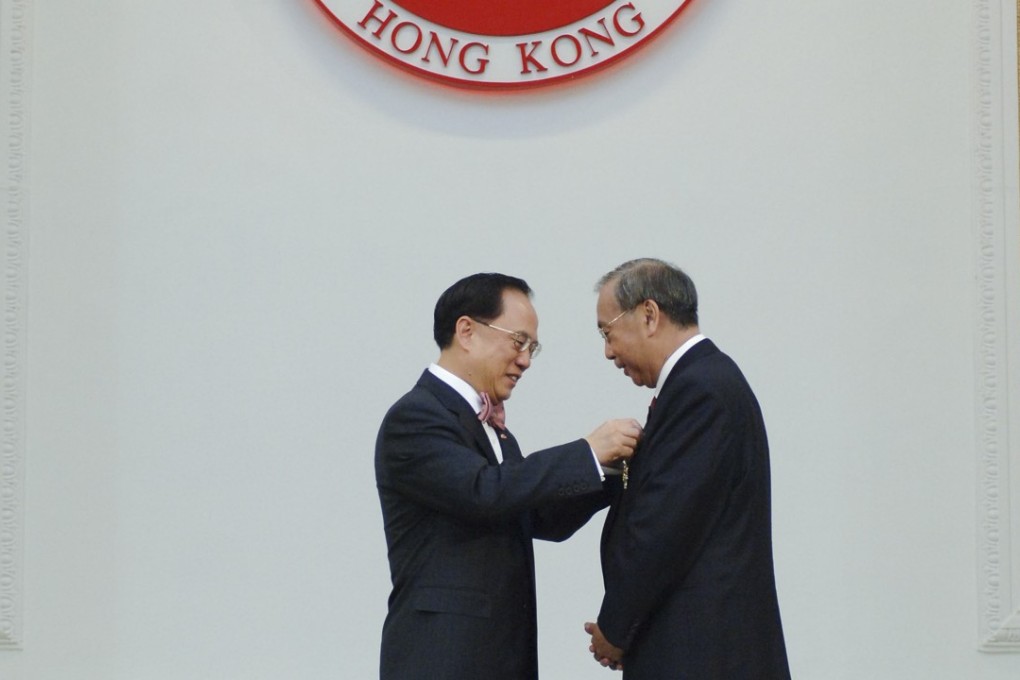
[
  {"x": 998, "y": 242},
  {"x": 14, "y": 125}
]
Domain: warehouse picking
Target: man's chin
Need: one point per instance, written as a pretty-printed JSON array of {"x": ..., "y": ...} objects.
[{"x": 508, "y": 390}]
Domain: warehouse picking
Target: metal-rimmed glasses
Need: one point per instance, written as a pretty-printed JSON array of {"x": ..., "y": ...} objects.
[
  {"x": 604, "y": 330},
  {"x": 521, "y": 340}
]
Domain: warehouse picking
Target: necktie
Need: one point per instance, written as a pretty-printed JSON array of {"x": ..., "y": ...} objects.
[
  {"x": 493, "y": 414},
  {"x": 626, "y": 465}
]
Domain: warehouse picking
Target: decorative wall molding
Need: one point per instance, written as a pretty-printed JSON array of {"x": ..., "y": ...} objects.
[
  {"x": 998, "y": 519},
  {"x": 14, "y": 119}
]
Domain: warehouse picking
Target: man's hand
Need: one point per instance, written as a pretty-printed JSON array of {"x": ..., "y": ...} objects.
[
  {"x": 603, "y": 650},
  {"x": 614, "y": 440}
]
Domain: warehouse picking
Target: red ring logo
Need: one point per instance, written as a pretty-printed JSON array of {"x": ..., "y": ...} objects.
[{"x": 502, "y": 43}]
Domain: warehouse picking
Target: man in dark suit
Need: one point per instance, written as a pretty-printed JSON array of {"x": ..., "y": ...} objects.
[
  {"x": 461, "y": 504},
  {"x": 690, "y": 590}
]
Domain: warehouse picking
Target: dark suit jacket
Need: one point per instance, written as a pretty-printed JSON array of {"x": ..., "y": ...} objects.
[
  {"x": 687, "y": 547},
  {"x": 458, "y": 531}
]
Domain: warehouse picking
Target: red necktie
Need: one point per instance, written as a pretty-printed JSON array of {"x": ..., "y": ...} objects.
[
  {"x": 493, "y": 414},
  {"x": 626, "y": 465}
]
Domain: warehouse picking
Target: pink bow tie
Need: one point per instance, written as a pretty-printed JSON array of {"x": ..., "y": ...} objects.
[{"x": 493, "y": 414}]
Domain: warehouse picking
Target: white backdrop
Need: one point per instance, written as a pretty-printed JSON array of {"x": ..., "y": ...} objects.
[{"x": 238, "y": 222}]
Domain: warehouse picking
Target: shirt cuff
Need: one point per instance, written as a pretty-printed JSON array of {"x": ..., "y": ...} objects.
[{"x": 598, "y": 465}]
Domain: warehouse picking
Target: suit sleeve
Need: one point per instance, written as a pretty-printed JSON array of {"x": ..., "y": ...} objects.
[
  {"x": 426, "y": 454},
  {"x": 561, "y": 519},
  {"x": 688, "y": 468}
]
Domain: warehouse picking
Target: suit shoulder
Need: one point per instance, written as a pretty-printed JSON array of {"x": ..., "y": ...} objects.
[
  {"x": 417, "y": 400},
  {"x": 711, "y": 373}
]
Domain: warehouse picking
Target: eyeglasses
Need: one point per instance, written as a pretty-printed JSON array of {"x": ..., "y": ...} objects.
[
  {"x": 604, "y": 330},
  {"x": 521, "y": 341}
]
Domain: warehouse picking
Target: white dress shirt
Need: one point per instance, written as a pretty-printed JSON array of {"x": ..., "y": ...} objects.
[{"x": 671, "y": 362}]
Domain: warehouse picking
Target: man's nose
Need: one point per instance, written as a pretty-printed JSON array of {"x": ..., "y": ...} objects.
[{"x": 524, "y": 360}]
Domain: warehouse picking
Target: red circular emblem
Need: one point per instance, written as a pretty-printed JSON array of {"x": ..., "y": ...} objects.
[
  {"x": 502, "y": 43},
  {"x": 503, "y": 17}
]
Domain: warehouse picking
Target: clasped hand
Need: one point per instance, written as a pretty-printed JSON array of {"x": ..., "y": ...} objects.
[{"x": 602, "y": 649}]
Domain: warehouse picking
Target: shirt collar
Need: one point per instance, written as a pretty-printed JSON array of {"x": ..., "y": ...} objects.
[
  {"x": 671, "y": 361},
  {"x": 459, "y": 384}
]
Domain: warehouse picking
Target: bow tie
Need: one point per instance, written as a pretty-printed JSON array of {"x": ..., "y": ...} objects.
[{"x": 493, "y": 414}]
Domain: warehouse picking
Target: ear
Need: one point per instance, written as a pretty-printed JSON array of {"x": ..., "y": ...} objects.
[
  {"x": 464, "y": 331},
  {"x": 651, "y": 316}
]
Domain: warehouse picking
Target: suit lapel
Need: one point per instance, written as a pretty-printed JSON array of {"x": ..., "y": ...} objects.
[
  {"x": 511, "y": 449},
  {"x": 700, "y": 350},
  {"x": 467, "y": 418},
  {"x": 474, "y": 426}
]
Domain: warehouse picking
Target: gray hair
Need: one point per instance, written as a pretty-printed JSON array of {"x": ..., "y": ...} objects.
[{"x": 651, "y": 279}]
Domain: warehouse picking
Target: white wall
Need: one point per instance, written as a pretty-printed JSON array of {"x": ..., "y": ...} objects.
[{"x": 240, "y": 221}]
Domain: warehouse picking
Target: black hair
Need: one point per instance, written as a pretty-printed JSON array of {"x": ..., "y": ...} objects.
[{"x": 479, "y": 296}]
